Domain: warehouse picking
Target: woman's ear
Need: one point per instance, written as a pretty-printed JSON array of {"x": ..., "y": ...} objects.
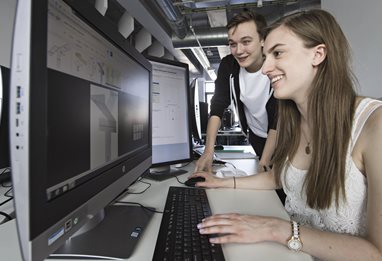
[{"x": 319, "y": 54}]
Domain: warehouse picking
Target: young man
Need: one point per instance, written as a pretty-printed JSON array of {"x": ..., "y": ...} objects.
[{"x": 241, "y": 82}]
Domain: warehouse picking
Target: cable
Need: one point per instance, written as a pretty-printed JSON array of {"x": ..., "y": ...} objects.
[
  {"x": 7, "y": 192},
  {"x": 188, "y": 163},
  {"x": 5, "y": 175},
  {"x": 144, "y": 181},
  {"x": 139, "y": 204},
  {"x": 5, "y": 201},
  {"x": 4, "y": 185},
  {"x": 231, "y": 164},
  {"x": 217, "y": 161},
  {"x": 5, "y": 170},
  {"x": 179, "y": 180},
  {"x": 7, "y": 217},
  {"x": 149, "y": 185}
]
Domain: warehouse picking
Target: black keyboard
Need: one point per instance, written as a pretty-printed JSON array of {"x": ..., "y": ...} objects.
[{"x": 179, "y": 238}]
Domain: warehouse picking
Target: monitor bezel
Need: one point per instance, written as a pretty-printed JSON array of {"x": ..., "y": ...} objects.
[
  {"x": 195, "y": 112},
  {"x": 186, "y": 67},
  {"x": 4, "y": 122},
  {"x": 37, "y": 221}
]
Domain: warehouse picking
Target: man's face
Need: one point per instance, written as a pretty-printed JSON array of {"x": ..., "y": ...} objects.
[{"x": 246, "y": 45}]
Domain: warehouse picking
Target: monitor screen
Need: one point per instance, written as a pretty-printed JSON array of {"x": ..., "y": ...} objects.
[
  {"x": 171, "y": 137},
  {"x": 81, "y": 129},
  {"x": 4, "y": 124}
]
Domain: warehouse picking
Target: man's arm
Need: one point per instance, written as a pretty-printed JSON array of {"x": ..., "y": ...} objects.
[
  {"x": 205, "y": 161},
  {"x": 219, "y": 102}
]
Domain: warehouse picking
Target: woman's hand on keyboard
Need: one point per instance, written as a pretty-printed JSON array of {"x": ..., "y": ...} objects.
[{"x": 238, "y": 228}]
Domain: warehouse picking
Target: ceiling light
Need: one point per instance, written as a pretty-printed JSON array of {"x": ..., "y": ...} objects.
[
  {"x": 201, "y": 56},
  {"x": 212, "y": 74}
]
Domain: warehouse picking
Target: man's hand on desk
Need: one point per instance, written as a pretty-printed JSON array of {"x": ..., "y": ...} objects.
[
  {"x": 205, "y": 162},
  {"x": 263, "y": 168}
]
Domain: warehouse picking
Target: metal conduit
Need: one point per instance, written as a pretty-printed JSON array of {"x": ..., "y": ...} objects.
[{"x": 207, "y": 37}]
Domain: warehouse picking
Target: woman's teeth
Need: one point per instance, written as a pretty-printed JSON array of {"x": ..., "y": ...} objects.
[{"x": 276, "y": 78}]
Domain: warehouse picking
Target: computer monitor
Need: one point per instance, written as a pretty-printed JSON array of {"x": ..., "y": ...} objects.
[
  {"x": 171, "y": 132},
  {"x": 195, "y": 112},
  {"x": 4, "y": 124},
  {"x": 80, "y": 131}
]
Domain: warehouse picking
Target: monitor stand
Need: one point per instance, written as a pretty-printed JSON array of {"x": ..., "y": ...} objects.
[
  {"x": 114, "y": 235},
  {"x": 163, "y": 173}
]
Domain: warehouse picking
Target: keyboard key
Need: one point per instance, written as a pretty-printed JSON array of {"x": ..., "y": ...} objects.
[{"x": 179, "y": 238}]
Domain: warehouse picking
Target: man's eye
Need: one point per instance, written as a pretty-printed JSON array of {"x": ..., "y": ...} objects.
[{"x": 232, "y": 45}]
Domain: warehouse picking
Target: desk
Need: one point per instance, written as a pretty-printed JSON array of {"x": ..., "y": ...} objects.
[
  {"x": 245, "y": 157},
  {"x": 221, "y": 201},
  {"x": 226, "y": 136}
]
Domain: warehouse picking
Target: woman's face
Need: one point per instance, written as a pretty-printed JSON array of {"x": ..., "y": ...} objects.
[{"x": 289, "y": 64}]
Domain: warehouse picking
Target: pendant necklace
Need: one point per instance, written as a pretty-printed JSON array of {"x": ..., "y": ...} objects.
[{"x": 307, "y": 147}]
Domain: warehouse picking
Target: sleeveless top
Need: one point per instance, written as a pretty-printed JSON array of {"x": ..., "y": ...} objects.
[{"x": 350, "y": 216}]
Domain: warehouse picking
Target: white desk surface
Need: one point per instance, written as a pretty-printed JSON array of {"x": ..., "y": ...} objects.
[{"x": 258, "y": 202}]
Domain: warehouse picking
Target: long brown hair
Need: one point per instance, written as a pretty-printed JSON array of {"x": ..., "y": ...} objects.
[{"x": 331, "y": 105}]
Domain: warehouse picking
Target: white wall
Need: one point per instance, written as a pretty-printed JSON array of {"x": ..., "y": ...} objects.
[
  {"x": 361, "y": 22},
  {"x": 7, "y": 14}
]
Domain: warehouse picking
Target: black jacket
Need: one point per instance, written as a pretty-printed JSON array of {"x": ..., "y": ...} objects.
[{"x": 228, "y": 72}]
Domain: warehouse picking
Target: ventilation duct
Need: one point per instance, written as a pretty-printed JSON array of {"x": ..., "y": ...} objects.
[
  {"x": 176, "y": 19},
  {"x": 216, "y": 36}
]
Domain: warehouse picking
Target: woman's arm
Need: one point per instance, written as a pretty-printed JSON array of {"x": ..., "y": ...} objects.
[
  {"x": 264, "y": 180},
  {"x": 236, "y": 228},
  {"x": 323, "y": 245}
]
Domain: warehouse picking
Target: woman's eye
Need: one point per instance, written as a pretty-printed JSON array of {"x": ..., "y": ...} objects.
[{"x": 276, "y": 53}]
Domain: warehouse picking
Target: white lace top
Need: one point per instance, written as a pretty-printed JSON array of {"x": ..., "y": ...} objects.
[{"x": 350, "y": 217}]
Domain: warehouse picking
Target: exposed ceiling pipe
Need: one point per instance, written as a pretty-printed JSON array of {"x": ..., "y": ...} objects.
[
  {"x": 216, "y": 36},
  {"x": 176, "y": 19}
]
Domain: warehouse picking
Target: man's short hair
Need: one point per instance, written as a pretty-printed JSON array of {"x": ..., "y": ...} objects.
[{"x": 247, "y": 16}]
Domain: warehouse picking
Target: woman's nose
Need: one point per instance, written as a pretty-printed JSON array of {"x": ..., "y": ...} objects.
[{"x": 267, "y": 66}]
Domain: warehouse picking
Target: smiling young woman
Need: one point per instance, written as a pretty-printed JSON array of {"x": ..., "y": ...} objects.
[{"x": 332, "y": 177}]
